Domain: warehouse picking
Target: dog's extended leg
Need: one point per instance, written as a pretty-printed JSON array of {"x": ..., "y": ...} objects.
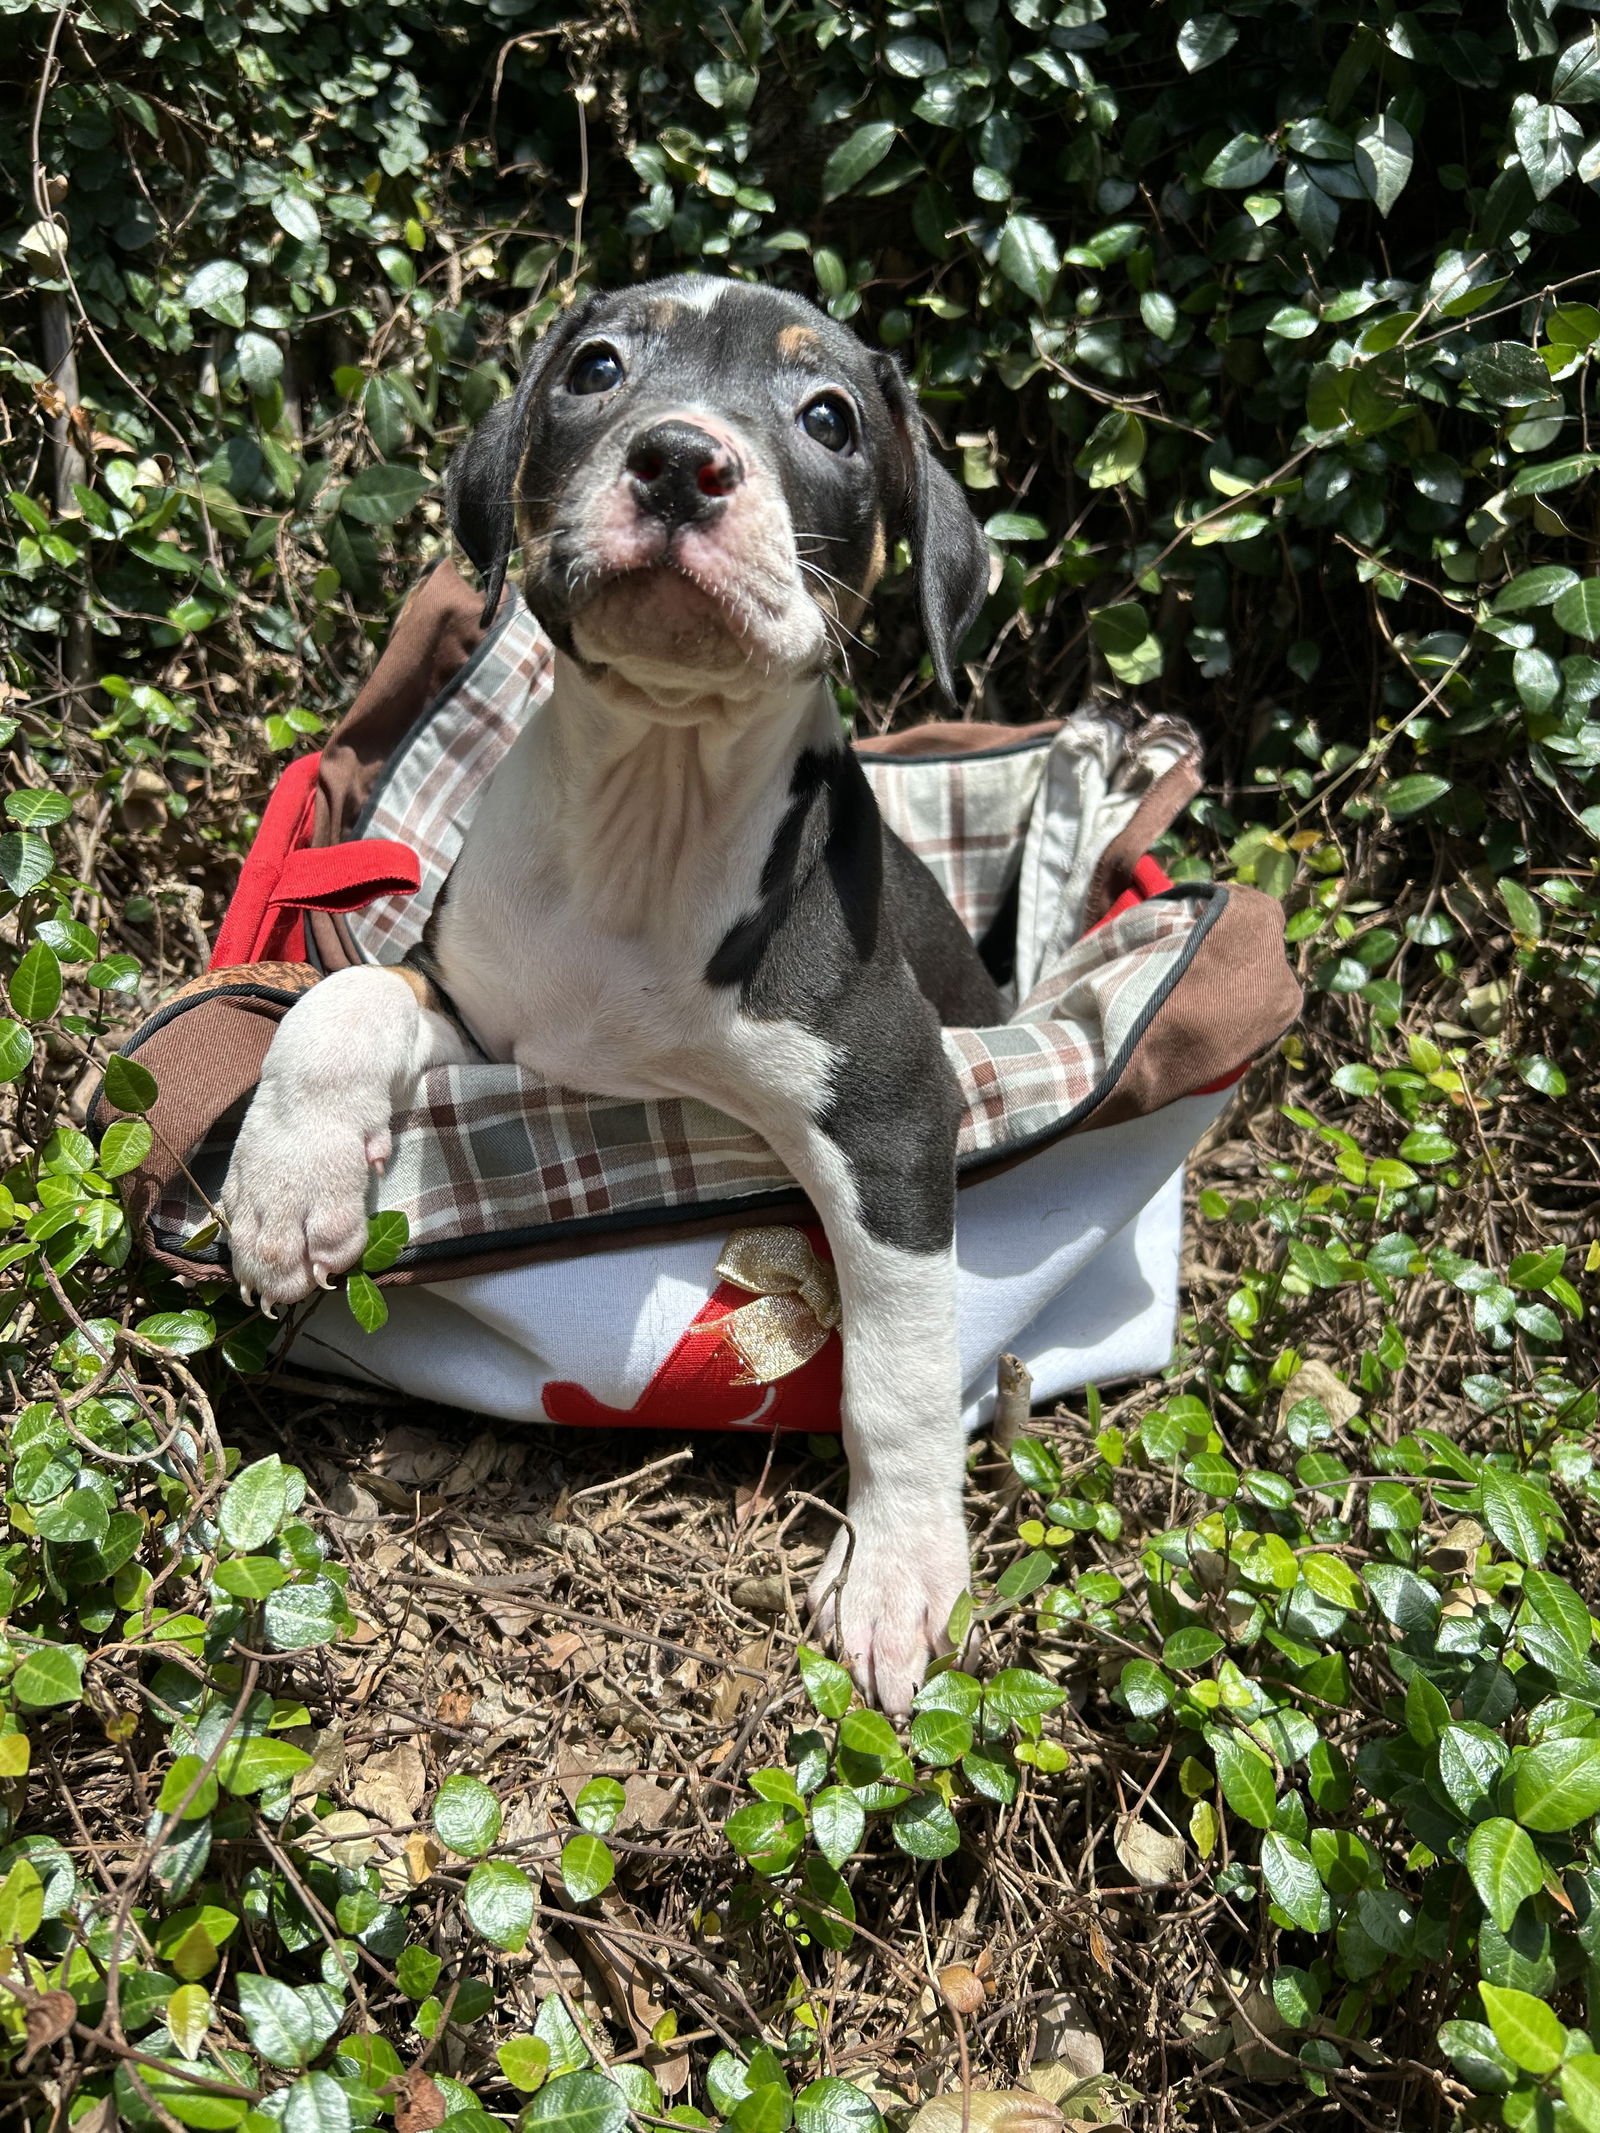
[
  {"x": 344, "y": 1059},
  {"x": 905, "y": 1559},
  {"x": 902, "y": 1436}
]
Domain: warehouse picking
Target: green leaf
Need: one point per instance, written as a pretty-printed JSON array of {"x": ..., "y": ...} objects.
[
  {"x": 587, "y": 1867},
  {"x": 1123, "y": 634},
  {"x": 1578, "y": 609},
  {"x": 1016, "y": 1694},
  {"x": 1524, "y": 2028},
  {"x": 855, "y": 158},
  {"x": 21, "y": 1904},
  {"x": 1296, "y": 1886},
  {"x": 1243, "y": 163},
  {"x": 260, "y": 1764},
  {"x": 25, "y": 861},
  {"x": 524, "y": 2061},
  {"x": 1204, "y": 39},
  {"x": 838, "y": 1823},
  {"x": 1556, "y": 1784},
  {"x": 1534, "y": 588},
  {"x": 1560, "y": 1605},
  {"x": 1505, "y": 1868},
  {"x": 1014, "y": 526},
  {"x": 124, "y": 1146},
  {"x": 260, "y": 361},
  {"x": 381, "y": 495},
  {"x": 388, "y": 1234},
  {"x": 599, "y": 1806},
  {"x": 1114, "y": 450},
  {"x": 1410, "y": 795},
  {"x": 16, "y": 1050},
  {"x": 834, "y": 2106},
  {"x": 466, "y": 1815},
  {"x": 316, "y": 2103},
  {"x": 287, "y": 2024},
  {"x": 1580, "y": 2089},
  {"x": 1145, "y": 1689},
  {"x": 254, "y": 1504},
  {"x": 178, "y": 1332},
  {"x": 80, "y": 1515},
  {"x": 1383, "y": 158},
  {"x": 294, "y": 212},
  {"x": 1245, "y": 1776},
  {"x": 499, "y": 1899},
  {"x": 1029, "y": 257},
  {"x": 36, "y": 984},
  {"x": 250, "y": 1577},
  {"x": 1476, "y": 2057},
  {"x": 925, "y": 1827},
  {"x": 217, "y": 288},
  {"x": 940, "y": 1737},
  {"x": 367, "y": 1306},
  {"x": 1512, "y": 1507},
  {"x": 37, "y": 808},
  {"x": 828, "y": 1685},
  {"x": 49, "y": 1675},
  {"x": 298, "y": 1617},
  {"x": 577, "y": 2103},
  {"x": 768, "y": 1834}
]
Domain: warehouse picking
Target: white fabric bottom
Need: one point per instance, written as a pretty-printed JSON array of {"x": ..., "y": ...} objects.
[{"x": 1069, "y": 1260}]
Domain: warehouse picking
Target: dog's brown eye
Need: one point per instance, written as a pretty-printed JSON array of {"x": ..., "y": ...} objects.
[
  {"x": 827, "y": 419},
  {"x": 597, "y": 371}
]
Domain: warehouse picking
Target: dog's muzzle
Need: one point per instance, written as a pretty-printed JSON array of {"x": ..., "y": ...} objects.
[{"x": 680, "y": 474}]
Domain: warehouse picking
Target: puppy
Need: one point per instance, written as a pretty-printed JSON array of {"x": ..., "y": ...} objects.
[{"x": 678, "y": 882}]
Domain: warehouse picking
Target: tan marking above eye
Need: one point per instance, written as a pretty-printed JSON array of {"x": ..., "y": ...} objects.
[
  {"x": 797, "y": 342},
  {"x": 661, "y": 311}
]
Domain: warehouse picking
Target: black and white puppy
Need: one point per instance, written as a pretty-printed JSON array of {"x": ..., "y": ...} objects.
[{"x": 678, "y": 882}]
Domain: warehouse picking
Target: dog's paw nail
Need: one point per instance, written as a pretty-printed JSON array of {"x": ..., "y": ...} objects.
[
  {"x": 268, "y": 1310},
  {"x": 246, "y": 1294},
  {"x": 319, "y": 1274}
]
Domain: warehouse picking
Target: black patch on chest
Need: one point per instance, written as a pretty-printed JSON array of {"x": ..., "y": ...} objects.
[{"x": 846, "y": 941}]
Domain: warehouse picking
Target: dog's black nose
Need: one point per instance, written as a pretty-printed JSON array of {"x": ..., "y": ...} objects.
[{"x": 680, "y": 472}]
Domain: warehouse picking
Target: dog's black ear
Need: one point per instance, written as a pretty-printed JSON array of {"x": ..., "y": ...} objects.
[
  {"x": 950, "y": 556},
  {"x": 478, "y": 487},
  {"x": 481, "y": 480}
]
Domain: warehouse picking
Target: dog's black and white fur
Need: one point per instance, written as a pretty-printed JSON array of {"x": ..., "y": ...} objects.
[{"x": 678, "y": 883}]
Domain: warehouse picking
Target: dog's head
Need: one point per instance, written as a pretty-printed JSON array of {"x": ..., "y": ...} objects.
[{"x": 704, "y": 479}]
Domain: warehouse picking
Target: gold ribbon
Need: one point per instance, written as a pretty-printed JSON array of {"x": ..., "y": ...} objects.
[{"x": 796, "y": 1307}]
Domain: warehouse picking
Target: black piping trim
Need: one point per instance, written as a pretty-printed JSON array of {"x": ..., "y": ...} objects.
[{"x": 971, "y": 1169}]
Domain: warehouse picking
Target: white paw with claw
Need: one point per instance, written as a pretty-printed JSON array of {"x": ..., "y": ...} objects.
[
  {"x": 295, "y": 1198},
  {"x": 890, "y": 1616}
]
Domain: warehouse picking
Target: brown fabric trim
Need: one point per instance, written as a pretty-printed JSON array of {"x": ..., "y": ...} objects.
[
  {"x": 1155, "y": 814},
  {"x": 283, "y": 977},
  {"x": 1237, "y": 997},
  {"x": 204, "y": 1060},
  {"x": 948, "y": 736},
  {"x": 435, "y": 634}
]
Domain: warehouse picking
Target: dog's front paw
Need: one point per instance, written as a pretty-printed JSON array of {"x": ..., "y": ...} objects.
[
  {"x": 890, "y": 1615},
  {"x": 295, "y": 1202}
]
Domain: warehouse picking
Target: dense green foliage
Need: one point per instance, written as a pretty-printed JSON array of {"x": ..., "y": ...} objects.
[{"x": 1263, "y": 337}]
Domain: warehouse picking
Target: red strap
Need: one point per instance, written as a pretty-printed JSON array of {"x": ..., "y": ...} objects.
[
  {"x": 343, "y": 877},
  {"x": 284, "y": 874},
  {"x": 1149, "y": 879},
  {"x": 696, "y": 1387},
  {"x": 248, "y": 925}
]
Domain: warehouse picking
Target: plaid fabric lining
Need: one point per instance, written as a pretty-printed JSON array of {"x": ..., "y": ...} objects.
[
  {"x": 489, "y": 1149},
  {"x": 964, "y": 820},
  {"x": 425, "y": 799}
]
